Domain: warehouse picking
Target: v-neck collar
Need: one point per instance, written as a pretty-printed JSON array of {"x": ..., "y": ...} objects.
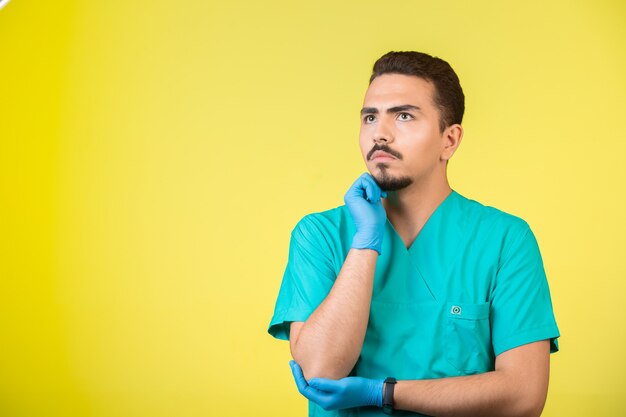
[
  {"x": 435, "y": 249},
  {"x": 435, "y": 215}
]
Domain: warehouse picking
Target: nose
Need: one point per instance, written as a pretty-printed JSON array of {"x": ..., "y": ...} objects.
[{"x": 383, "y": 132}]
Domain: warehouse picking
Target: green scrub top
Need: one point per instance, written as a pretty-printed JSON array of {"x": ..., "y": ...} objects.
[{"x": 471, "y": 286}]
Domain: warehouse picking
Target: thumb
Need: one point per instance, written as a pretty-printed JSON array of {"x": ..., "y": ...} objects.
[
  {"x": 323, "y": 384},
  {"x": 298, "y": 376}
]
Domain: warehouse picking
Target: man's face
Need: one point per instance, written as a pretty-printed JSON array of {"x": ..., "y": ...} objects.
[{"x": 399, "y": 117}]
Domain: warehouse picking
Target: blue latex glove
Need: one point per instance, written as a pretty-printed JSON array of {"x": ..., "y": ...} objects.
[
  {"x": 364, "y": 202},
  {"x": 331, "y": 394}
]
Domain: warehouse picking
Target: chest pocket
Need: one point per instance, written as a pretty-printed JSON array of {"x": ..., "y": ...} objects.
[{"x": 467, "y": 341}]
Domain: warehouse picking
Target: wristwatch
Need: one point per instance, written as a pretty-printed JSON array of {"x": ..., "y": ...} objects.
[{"x": 388, "y": 386}]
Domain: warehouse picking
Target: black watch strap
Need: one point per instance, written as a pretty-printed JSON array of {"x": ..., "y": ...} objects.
[{"x": 388, "y": 385}]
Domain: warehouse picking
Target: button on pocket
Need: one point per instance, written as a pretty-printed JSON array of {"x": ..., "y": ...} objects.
[{"x": 467, "y": 341}]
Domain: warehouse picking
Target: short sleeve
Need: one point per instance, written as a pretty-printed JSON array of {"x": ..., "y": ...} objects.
[
  {"x": 307, "y": 280},
  {"x": 521, "y": 304}
]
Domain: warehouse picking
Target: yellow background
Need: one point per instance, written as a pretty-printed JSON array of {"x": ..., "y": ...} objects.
[{"x": 155, "y": 156}]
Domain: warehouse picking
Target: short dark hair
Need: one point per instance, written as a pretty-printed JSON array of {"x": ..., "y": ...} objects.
[{"x": 448, "y": 95}]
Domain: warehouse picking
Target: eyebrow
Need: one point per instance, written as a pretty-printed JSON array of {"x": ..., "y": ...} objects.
[{"x": 395, "y": 109}]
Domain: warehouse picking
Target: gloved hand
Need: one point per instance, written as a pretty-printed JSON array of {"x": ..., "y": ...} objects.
[
  {"x": 364, "y": 202},
  {"x": 331, "y": 394}
]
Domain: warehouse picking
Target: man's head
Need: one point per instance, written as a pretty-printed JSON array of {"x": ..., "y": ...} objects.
[
  {"x": 413, "y": 110},
  {"x": 448, "y": 97}
]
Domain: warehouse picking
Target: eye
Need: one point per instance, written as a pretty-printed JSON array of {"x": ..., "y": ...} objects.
[
  {"x": 367, "y": 119},
  {"x": 405, "y": 116}
]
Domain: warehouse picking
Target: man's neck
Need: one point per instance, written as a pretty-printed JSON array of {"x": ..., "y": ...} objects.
[{"x": 410, "y": 208}]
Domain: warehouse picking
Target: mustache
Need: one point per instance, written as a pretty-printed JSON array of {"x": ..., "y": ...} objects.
[{"x": 383, "y": 148}]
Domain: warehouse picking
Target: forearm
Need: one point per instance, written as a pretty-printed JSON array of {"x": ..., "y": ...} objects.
[
  {"x": 330, "y": 341},
  {"x": 490, "y": 394}
]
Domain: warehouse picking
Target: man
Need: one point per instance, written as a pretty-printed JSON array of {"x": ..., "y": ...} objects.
[{"x": 412, "y": 299}]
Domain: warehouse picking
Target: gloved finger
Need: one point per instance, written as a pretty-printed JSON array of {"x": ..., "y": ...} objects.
[
  {"x": 298, "y": 376},
  {"x": 319, "y": 397},
  {"x": 384, "y": 194},
  {"x": 306, "y": 390},
  {"x": 324, "y": 384},
  {"x": 359, "y": 189},
  {"x": 356, "y": 189},
  {"x": 373, "y": 189},
  {"x": 370, "y": 192}
]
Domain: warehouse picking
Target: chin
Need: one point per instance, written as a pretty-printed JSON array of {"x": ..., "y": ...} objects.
[{"x": 388, "y": 182}]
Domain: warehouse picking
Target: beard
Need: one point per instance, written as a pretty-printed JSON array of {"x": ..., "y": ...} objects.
[{"x": 387, "y": 182}]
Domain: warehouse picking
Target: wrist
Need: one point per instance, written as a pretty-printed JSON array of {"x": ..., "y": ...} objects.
[
  {"x": 379, "y": 388},
  {"x": 367, "y": 241},
  {"x": 388, "y": 390}
]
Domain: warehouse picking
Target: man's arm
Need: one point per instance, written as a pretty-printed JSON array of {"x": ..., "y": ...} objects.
[
  {"x": 328, "y": 344},
  {"x": 517, "y": 387}
]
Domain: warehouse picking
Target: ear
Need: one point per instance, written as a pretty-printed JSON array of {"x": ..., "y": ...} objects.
[{"x": 451, "y": 140}]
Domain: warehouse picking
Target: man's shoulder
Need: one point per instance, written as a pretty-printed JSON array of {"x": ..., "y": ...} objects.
[
  {"x": 490, "y": 217},
  {"x": 327, "y": 220},
  {"x": 327, "y": 230}
]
